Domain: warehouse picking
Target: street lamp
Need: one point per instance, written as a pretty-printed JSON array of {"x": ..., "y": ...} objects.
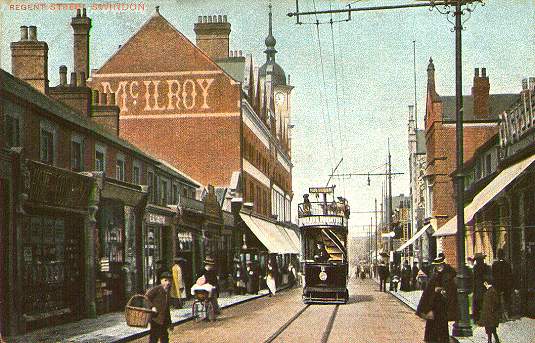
[{"x": 455, "y": 9}]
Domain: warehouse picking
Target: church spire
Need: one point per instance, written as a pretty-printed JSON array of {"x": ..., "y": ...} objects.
[{"x": 270, "y": 40}]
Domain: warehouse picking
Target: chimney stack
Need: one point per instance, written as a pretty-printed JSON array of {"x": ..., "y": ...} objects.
[
  {"x": 63, "y": 76},
  {"x": 213, "y": 34},
  {"x": 81, "y": 25},
  {"x": 29, "y": 59},
  {"x": 480, "y": 93}
]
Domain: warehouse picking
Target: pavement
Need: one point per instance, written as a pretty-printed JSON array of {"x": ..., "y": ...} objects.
[
  {"x": 112, "y": 327},
  {"x": 521, "y": 330}
]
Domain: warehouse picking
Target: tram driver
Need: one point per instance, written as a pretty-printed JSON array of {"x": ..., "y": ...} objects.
[{"x": 320, "y": 253}]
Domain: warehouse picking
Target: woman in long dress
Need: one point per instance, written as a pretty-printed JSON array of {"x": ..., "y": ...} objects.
[{"x": 270, "y": 279}]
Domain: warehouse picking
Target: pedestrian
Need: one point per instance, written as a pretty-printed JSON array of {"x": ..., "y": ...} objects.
[
  {"x": 320, "y": 253},
  {"x": 503, "y": 277},
  {"x": 438, "y": 303},
  {"x": 490, "y": 311},
  {"x": 481, "y": 272},
  {"x": 210, "y": 275},
  {"x": 406, "y": 274},
  {"x": 395, "y": 274},
  {"x": 292, "y": 275},
  {"x": 414, "y": 275},
  {"x": 383, "y": 276},
  {"x": 271, "y": 278},
  {"x": 159, "y": 302},
  {"x": 252, "y": 278},
  {"x": 178, "y": 289},
  {"x": 516, "y": 304}
]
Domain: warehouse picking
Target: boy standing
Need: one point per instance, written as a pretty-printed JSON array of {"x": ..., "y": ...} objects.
[{"x": 489, "y": 316}]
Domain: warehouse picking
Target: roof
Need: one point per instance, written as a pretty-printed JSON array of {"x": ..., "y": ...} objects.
[
  {"x": 20, "y": 88},
  {"x": 234, "y": 66},
  {"x": 421, "y": 147},
  {"x": 278, "y": 76},
  {"x": 497, "y": 104},
  {"x": 183, "y": 176}
]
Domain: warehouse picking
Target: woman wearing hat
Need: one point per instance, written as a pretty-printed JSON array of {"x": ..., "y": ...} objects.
[
  {"x": 481, "y": 272},
  {"x": 438, "y": 303},
  {"x": 210, "y": 275},
  {"x": 178, "y": 290}
]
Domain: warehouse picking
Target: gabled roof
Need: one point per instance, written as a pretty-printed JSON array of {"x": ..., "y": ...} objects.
[
  {"x": 497, "y": 104},
  {"x": 158, "y": 47}
]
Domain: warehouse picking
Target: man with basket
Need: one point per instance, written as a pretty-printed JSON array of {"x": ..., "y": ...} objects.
[{"x": 158, "y": 297}]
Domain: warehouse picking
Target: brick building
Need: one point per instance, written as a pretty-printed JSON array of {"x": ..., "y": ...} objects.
[
  {"x": 210, "y": 112},
  {"x": 481, "y": 110}
]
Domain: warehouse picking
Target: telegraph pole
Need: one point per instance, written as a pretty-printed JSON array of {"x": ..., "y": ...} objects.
[
  {"x": 389, "y": 212},
  {"x": 376, "y": 248}
]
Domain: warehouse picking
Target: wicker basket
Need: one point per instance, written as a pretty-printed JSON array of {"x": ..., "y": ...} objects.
[{"x": 137, "y": 316}]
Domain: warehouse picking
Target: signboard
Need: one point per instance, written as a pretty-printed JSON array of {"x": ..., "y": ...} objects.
[
  {"x": 322, "y": 220},
  {"x": 56, "y": 187},
  {"x": 314, "y": 190},
  {"x": 153, "y": 218}
]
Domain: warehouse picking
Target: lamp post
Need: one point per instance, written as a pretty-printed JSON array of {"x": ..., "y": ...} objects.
[{"x": 456, "y": 9}]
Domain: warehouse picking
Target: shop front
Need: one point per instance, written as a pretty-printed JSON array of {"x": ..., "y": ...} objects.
[
  {"x": 6, "y": 210},
  {"x": 120, "y": 210},
  {"x": 51, "y": 225},
  {"x": 158, "y": 241}
]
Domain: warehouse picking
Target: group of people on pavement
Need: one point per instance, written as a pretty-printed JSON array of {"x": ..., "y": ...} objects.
[{"x": 407, "y": 278}]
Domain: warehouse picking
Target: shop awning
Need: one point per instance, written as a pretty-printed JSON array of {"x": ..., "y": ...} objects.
[
  {"x": 486, "y": 195},
  {"x": 414, "y": 237},
  {"x": 270, "y": 235},
  {"x": 294, "y": 238}
]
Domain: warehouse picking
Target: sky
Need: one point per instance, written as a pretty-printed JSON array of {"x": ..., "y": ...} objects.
[{"x": 353, "y": 80}]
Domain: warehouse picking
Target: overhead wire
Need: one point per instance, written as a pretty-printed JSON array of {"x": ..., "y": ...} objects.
[{"x": 326, "y": 116}]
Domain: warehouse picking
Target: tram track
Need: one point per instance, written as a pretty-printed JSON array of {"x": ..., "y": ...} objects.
[{"x": 326, "y": 332}]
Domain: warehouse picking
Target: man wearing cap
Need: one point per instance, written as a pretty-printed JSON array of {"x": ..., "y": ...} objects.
[
  {"x": 159, "y": 302},
  {"x": 438, "y": 303}
]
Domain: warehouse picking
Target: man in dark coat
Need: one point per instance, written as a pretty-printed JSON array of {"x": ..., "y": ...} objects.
[
  {"x": 159, "y": 302},
  {"x": 414, "y": 275},
  {"x": 490, "y": 311},
  {"x": 438, "y": 303},
  {"x": 383, "y": 275},
  {"x": 481, "y": 272},
  {"x": 503, "y": 279},
  {"x": 406, "y": 272},
  {"x": 320, "y": 253}
]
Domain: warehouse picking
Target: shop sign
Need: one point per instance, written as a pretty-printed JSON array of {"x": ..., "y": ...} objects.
[
  {"x": 153, "y": 218},
  {"x": 56, "y": 187},
  {"x": 184, "y": 236},
  {"x": 322, "y": 220}
]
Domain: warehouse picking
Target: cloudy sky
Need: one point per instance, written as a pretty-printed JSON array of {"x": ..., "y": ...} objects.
[{"x": 350, "y": 113}]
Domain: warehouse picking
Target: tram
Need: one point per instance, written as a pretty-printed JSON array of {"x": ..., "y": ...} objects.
[{"x": 322, "y": 220}]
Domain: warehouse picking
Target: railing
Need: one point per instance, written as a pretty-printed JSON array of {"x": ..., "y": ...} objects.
[{"x": 322, "y": 209}]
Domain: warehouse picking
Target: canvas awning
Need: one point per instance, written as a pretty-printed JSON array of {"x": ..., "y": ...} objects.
[
  {"x": 414, "y": 237},
  {"x": 486, "y": 195},
  {"x": 294, "y": 238},
  {"x": 269, "y": 234}
]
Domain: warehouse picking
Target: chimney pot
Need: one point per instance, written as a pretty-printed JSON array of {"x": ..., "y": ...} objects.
[
  {"x": 199, "y": 20},
  {"x": 209, "y": 18},
  {"x": 94, "y": 98},
  {"x": 84, "y": 12},
  {"x": 483, "y": 72},
  {"x": 78, "y": 13},
  {"x": 24, "y": 33},
  {"x": 82, "y": 79},
  {"x": 73, "y": 79},
  {"x": 204, "y": 19},
  {"x": 32, "y": 33},
  {"x": 63, "y": 75},
  {"x": 220, "y": 18},
  {"x": 103, "y": 98},
  {"x": 224, "y": 18},
  {"x": 476, "y": 72},
  {"x": 112, "y": 99},
  {"x": 231, "y": 53},
  {"x": 241, "y": 53}
]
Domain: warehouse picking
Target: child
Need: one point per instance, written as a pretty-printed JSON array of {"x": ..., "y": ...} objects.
[{"x": 489, "y": 316}]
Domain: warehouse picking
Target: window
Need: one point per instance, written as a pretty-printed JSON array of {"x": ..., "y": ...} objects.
[
  {"x": 100, "y": 158},
  {"x": 47, "y": 145},
  {"x": 175, "y": 194},
  {"x": 185, "y": 192},
  {"x": 156, "y": 183},
  {"x": 76, "y": 153},
  {"x": 163, "y": 192},
  {"x": 120, "y": 167},
  {"x": 12, "y": 130},
  {"x": 193, "y": 193},
  {"x": 136, "y": 173},
  {"x": 150, "y": 182}
]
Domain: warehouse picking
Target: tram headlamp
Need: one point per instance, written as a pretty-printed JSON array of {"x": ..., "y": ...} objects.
[{"x": 323, "y": 276}]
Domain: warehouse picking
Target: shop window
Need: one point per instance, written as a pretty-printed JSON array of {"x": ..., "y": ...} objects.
[
  {"x": 12, "y": 130},
  {"x": 76, "y": 153},
  {"x": 120, "y": 167},
  {"x": 136, "y": 173},
  {"x": 47, "y": 146},
  {"x": 100, "y": 158}
]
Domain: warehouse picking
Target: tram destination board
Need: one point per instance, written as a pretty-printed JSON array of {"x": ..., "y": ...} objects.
[{"x": 316, "y": 190}]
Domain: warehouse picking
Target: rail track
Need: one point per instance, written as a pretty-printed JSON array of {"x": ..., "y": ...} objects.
[{"x": 326, "y": 332}]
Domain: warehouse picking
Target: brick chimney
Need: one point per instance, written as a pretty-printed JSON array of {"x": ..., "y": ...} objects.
[
  {"x": 105, "y": 112},
  {"x": 213, "y": 35},
  {"x": 480, "y": 93},
  {"x": 81, "y": 24},
  {"x": 29, "y": 59},
  {"x": 75, "y": 94}
]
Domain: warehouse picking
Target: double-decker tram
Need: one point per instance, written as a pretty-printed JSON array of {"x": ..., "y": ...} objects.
[{"x": 323, "y": 225}]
